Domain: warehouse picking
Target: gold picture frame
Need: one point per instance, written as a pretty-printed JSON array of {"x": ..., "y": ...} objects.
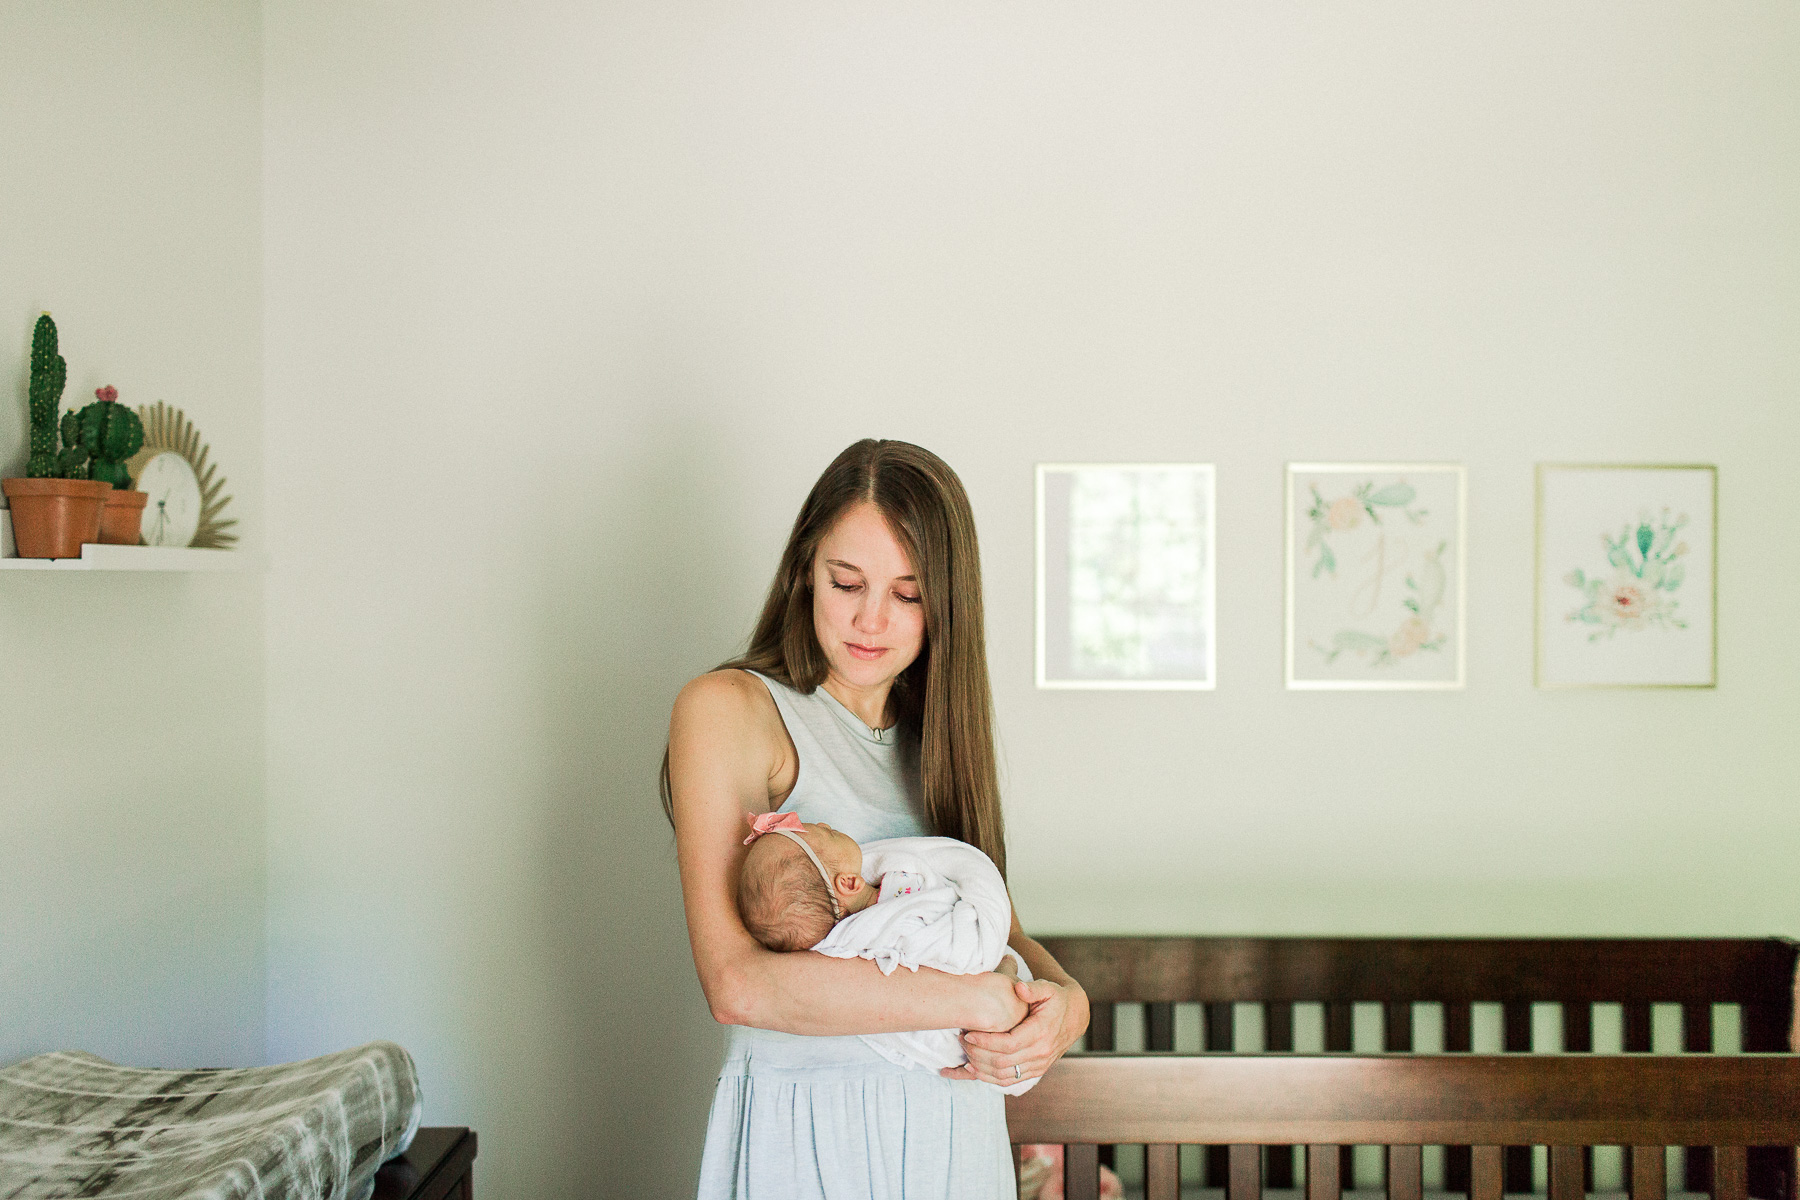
[
  {"x": 1610, "y": 613},
  {"x": 1450, "y": 484},
  {"x": 1146, "y": 573}
]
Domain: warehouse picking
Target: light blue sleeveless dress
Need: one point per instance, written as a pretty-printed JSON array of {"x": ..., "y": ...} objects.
[{"x": 826, "y": 1118}]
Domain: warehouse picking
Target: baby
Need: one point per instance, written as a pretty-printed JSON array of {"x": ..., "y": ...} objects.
[{"x": 935, "y": 902}]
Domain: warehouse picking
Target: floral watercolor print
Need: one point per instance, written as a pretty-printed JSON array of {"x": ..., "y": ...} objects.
[
  {"x": 1125, "y": 576},
  {"x": 1626, "y": 563},
  {"x": 1375, "y": 576},
  {"x": 1640, "y": 590}
]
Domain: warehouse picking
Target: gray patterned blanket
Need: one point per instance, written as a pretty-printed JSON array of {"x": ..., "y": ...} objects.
[{"x": 75, "y": 1125}]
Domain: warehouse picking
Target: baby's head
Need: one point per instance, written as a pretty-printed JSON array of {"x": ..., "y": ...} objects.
[{"x": 798, "y": 881}]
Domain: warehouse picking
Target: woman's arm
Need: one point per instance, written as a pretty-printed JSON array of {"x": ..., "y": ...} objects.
[
  {"x": 727, "y": 750},
  {"x": 1059, "y": 1015}
]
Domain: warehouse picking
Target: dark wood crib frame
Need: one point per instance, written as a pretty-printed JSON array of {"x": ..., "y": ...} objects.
[{"x": 1739, "y": 1114}]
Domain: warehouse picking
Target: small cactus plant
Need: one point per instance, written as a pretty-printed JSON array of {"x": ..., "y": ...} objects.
[
  {"x": 48, "y": 374},
  {"x": 72, "y": 459},
  {"x": 107, "y": 433}
]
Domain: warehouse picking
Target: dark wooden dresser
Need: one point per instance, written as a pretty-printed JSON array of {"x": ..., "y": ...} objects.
[{"x": 439, "y": 1166}]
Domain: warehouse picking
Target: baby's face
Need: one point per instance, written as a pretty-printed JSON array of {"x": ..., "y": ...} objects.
[{"x": 838, "y": 851}]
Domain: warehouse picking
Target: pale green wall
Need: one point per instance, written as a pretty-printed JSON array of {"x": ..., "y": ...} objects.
[
  {"x": 568, "y": 304},
  {"x": 132, "y": 858}
]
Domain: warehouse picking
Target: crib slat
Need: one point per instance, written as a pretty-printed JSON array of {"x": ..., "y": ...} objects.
[
  {"x": 1578, "y": 1038},
  {"x": 1100, "y": 1026},
  {"x": 1339, "y": 1024},
  {"x": 1162, "y": 1172},
  {"x": 1458, "y": 1039},
  {"x": 1278, "y": 1038},
  {"x": 1456, "y": 1169},
  {"x": 1765, "y": 1028},
  {"x": 1246, "y": 1173},
  {"x": 1219, "y": 1033},
  {"x": 1405, "y": 1173},
  {"x": 1516, "y": 1034},
  {"x": 1340, "y": 1037},
  {"x": 1159, "y": 1026},
  {"x": 1459, "y": 1028},
  {"x": 1322, "y": 1179},
  {"x": 1578, "y": 1026},
  {"x": 1697, "y": 1168},
  {"x": 1730, "y": 1174},
  {"x": 1648, "y": 1181},
  {"x": 1696, "y": 1028},
  {"x": 1565, "y": 1173},
  {"x": 1278, "y": 1027},
  {"x": 1635, "y": 1039},
  {"x": 1518, "y": 1169},
  {"x": 1516, "y": 1039},
  {"x": 1215, "y": 1166},
  {"x": 1101, "y": 1036},
  {"x": 1397, "y": 1028},
  {"x": 1081, "y": 1172},
  {"x": 1696, "y": 1038},
  {"x": 1220, "y": 1038},
  {"x": 1278, "y": 1167},
  {"x": 1485, "y": 1181},
  {"x": 1216, "y": 1030}
]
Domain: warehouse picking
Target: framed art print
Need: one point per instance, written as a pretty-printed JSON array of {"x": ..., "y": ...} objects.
[
  {"x": 1375, "y": 593},
  {"x": 1125, "y": 575},
  {"x": 1627, "y": 569}
]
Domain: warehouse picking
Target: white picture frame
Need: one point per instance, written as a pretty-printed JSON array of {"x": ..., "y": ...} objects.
[
  {"x": 1627, "y": 574},
  {"x": 1376, "y": 595},
  {"x": 1126, "y": 576}
]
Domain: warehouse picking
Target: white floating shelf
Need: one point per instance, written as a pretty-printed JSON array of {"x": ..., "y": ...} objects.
[{"x": 99, "y": 557}]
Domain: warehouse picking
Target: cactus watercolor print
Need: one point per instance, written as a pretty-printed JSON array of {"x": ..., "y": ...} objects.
[
  {"x": 1375, "y": 577},
  {"x": 1639, "y": 590},
  {"x": 1627, "y": 556}
]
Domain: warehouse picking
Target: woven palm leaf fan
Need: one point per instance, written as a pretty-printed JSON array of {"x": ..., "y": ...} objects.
[{"x": 168, "y": 428}]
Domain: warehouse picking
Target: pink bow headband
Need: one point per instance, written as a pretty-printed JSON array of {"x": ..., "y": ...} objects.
[
  {"x": 775, "y": 822},
  {"x": 788, "y": 825}
]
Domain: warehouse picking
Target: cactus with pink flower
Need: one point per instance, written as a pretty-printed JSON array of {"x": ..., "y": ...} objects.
[{"x": 107, "y": 433}]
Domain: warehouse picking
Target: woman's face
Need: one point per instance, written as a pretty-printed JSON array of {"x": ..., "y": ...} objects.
[{"x": 866, "y": 607}]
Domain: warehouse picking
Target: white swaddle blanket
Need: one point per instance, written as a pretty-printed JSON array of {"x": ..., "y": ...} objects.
[{"x": 942, "y": 905}]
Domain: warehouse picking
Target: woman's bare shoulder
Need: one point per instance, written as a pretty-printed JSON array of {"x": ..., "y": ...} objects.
[
  {"x": 729, "y": 704},
  {"x": 726, "y": 738}
]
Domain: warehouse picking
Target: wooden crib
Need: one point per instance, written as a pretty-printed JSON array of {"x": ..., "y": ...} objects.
[{"x": 1736, "y": 1114}]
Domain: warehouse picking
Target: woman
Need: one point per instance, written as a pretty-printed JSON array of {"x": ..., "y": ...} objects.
[{"x": 862, "y": 702}]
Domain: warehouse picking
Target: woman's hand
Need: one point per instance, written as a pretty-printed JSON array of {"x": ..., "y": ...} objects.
[
  {"x": 1058, "y": 1015},
  {"x": 1003, "y": 1007}
]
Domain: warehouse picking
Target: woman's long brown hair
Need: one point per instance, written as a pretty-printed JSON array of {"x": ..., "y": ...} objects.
[{"x": 943, "y": 696}]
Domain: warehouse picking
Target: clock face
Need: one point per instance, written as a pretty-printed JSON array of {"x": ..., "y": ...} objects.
[{"x": 172, "y": 513}]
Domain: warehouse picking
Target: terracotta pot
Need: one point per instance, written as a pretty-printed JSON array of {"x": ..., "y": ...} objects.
[
  {"x": 52, "y": 518},
  {"x": 122, "y": 515}
]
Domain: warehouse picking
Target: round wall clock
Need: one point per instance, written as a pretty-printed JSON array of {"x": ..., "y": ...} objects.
[
  {"x": 184, "y": 504},
  {"x": 172, "y": 514}
]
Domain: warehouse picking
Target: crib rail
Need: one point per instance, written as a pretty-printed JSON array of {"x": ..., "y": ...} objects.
[
  {"x": 1404, "y": 1102},
  {"x": 1450, "y": 969},
  {"x": 1756, "y": 973},
  {"x": 1458, "y": 974}
]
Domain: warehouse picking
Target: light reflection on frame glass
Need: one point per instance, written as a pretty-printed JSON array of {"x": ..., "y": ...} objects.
[{"x": 1126, "y": 586}]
